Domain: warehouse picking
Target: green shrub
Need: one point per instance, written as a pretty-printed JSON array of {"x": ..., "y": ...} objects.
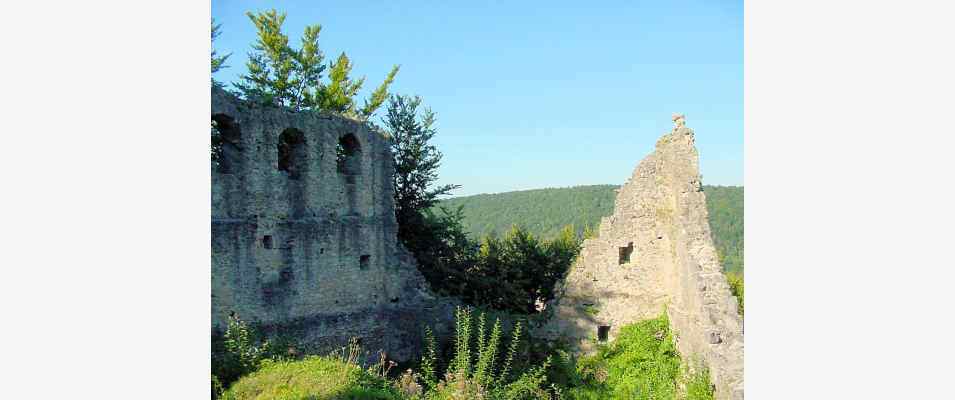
[
  {"x": 641, "y": 363},
  {"x": 736, "y": 287},
  {"x": 475, "y": 371},
  {"x": 237, "y": 352},
  {"x": 216, "y": 388}
]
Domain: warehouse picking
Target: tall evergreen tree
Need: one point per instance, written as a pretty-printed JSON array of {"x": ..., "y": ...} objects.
[{"x": 416, "y": 161}]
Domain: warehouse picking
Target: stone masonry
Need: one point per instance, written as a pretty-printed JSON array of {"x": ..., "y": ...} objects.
[
  {"x": 304, "y": 233},
  {"x": 654, "y": 253}
]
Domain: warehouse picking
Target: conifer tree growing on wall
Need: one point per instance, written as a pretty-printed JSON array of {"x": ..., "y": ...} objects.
[
  {"x": 282, "y": 75},
  {"x": 218, "y": 62}
]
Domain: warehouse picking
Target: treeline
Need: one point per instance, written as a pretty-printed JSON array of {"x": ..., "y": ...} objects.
[
  {"x": 544, "y": 212},
  {"x": 515, "y": 272}
]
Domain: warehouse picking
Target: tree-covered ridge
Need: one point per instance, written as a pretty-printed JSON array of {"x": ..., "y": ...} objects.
[{"x": 544, "y": 212}]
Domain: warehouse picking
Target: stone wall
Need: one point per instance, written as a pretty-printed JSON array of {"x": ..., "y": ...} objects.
[
  {"x": 654, "y": 253},
  {"x": 304, "y": 232}
]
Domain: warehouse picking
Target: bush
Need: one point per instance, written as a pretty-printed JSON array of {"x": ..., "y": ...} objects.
[
  {"x": 515, "y": 273},
  {"x": 641, "y": 363},
  {"x": 475, "y": 371},
  {"x": 237, "y": 352}
]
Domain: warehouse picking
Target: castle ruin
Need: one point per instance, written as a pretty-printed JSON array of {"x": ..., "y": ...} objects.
[
  {"x": 304, "y": 237},
  {"x": 304, "y": 241},
  {"x": 654, "y": 253}
]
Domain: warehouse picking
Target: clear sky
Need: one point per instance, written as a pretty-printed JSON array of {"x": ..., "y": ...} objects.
[{"x": 538, "y": 94}]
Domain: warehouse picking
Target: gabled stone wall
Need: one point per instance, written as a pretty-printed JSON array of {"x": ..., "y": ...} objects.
[
  {"x": 654, "y": 253},
  {"x": 304, "y": 231}
]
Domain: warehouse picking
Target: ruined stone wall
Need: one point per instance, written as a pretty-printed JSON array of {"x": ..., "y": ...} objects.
[
  {"x": 304, "y": 231},
  {"x": 656, "y": 252}
]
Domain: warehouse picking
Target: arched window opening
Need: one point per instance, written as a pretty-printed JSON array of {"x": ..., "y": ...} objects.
[
  {"x": 348, "y": 157},
  {"x": 293, "y": 156},
  {"x": 226, "y": 138}
]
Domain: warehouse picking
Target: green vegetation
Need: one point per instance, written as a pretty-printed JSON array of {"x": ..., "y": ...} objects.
[
  {"x": 503, "y": 251},
  {"x": 724, "y": 204},
  {"x": 236, "y": 352},
  {"x": 544, "y": 212},
  {"x": 514, "y": 273},
  {"x": 218, "y": 62},
  {"x": 282, "y": 75},
  {"x": 735, "y": 280},
  {"x": 641, "y": 363},
  {"x": 314, "y": 377},
  {"x": 478, "y": 370}
]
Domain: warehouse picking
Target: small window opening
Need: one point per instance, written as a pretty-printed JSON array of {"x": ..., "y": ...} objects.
[
  {"x": 625, "y": 253},
  {"x": 321, "y": 251},
  {"x": 293, "y": 156},
  {"x": 603, "y": 333},
  {"x": 267, "y": 241},
  {"x": 348, "y": 156},
  {"x": 363, "y": 261}
]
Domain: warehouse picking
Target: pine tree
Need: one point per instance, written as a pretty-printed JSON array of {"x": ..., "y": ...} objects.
[
  {"x": 218, "y": 62},
  {"x": 274, "y": 74},
  {"x": 416, "y": 160},
  {"x": 281, "y": 75},
  {"x": 338, "y": 94}
]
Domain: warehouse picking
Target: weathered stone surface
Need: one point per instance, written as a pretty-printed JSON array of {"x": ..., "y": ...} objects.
[
  {"x": 305, "y": 239},
  {"x": 656, "y": 252}
]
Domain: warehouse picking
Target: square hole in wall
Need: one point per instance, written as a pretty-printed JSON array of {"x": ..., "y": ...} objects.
[
  {"x": 625, "y": 253},
  {"x": 603, "y": 333},
  {"x": 267, "y": 241},
  {"x": 363, "y": 261}
]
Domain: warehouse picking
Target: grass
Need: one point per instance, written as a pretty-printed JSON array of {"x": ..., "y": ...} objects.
[
  {"x": 313, "y": 378},
  {"x": 641, "y": 363}
]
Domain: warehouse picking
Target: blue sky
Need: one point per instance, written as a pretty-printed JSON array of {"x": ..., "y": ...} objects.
[{"x": 538, "y": 94}]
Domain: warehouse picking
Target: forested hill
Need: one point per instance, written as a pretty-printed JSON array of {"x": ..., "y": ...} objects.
[{"x": 545, "y": 211}]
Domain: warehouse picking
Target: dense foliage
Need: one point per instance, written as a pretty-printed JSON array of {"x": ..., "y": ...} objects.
[
  {"x": 236, "y": 352},
  {"x": 515, "y": 272},
  {"x": 641, "y": 363},
  {"x": 479, "y": 370},
  {"x": 724, "y": 204},
  {"x": 544, "y": 212}
]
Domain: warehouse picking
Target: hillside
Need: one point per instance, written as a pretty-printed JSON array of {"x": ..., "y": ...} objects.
[{"x": 545, "y": 211}]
